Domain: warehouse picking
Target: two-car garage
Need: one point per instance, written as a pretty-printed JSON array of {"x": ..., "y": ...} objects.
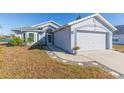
[
  {"x": 90, "y": 33},
  {"x": 90, "y": 40}
]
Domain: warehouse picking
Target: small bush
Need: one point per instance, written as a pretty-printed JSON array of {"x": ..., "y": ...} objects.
[
  {"x": 30, "y": 40},
  {"x": 16, "y": 41},
  {"x": 76, "y": 48}
]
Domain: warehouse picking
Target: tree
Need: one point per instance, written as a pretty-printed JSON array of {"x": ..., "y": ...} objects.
[{"x": 78, "y": 17}]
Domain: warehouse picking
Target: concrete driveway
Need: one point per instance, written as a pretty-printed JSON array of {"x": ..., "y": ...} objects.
[
  {"x": 61, "y": 54},
  {"x": 110, "y": 58}
]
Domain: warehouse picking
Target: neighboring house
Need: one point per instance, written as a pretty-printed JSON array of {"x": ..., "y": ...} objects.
[
  {"x": 89, "y": 33},
  {"x": 118, "y": 36}
]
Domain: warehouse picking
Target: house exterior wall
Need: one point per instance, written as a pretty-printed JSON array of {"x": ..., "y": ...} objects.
[
  {"x": 42, "y": 38},
  {"x": 39, "y": 37},
  {"x": 18, "y": 34},
  {"x": 118, "y": 39},
  {"x": 62, "y": 39}
]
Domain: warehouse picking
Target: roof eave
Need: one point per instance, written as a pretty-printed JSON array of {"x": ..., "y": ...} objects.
[
  {"x": 51, "y": 21},
  {"x": 27, "y": 30},
  {"x": 105, "y": 21}
]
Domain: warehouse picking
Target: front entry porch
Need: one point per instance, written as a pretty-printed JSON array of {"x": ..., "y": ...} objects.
[{"x": 49, "y": 39}]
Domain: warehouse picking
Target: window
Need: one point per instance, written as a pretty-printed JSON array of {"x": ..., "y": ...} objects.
[
  {"x": 115, "y": 39},
  {"x": 31, "y": 35}
]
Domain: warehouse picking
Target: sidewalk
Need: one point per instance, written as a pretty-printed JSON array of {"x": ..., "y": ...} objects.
[{"x": 60, "y": 53}]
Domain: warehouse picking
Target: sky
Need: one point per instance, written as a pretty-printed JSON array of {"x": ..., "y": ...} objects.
[{"x": 14, "y": 20}]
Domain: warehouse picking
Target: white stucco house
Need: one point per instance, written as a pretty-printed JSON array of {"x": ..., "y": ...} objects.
[
  {"x": 118, "y": 36},
  {"x": 90, "y": 33}
]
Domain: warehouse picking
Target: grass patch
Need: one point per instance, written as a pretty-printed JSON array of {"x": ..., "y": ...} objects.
[
  {"x": 20, "y": 62},
  {"x": 119, "y": 48}
]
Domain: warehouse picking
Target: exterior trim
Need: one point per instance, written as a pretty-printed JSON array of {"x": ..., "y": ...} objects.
[
  {"x": 89, "y": 31},
  {"x": 61, "y": 28},
  {"x": 51, "y": 21},
  {"x": 119, "y": 35}
]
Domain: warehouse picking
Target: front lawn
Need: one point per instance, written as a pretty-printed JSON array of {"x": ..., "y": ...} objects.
[
  {"x": 20, "y": 62},
  {"x": 119, "y": 48}
]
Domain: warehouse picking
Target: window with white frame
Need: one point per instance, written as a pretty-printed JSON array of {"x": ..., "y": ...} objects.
[{"x": 31, "y": 35}]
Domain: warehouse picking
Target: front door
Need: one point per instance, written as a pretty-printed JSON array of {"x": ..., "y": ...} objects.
[{"x": 49, "y": 39}]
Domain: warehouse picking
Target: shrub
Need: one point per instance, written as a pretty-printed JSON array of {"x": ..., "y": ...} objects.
[
  {"x": 30, "y": 40},
  {"x": 76, "y": 48},
  {"x": 1, "y": 39},
  {"x": 16, "y": 41}
]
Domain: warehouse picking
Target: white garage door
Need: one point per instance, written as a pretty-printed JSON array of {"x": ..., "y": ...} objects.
[{"x": 91, "y": 41}]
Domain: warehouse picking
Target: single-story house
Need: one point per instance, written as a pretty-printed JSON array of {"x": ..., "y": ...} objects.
[
  {"x": 118, "y": 36},
  {"x": 90, "y": 33}
]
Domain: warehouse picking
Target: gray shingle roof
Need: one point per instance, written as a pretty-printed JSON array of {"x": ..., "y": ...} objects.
[
  {"x": 120, "y": 30},
  {"x": 26, "y": 29}
]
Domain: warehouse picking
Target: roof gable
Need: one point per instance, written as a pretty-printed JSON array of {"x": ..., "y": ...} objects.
[
  {"x": 48, "y": 23},
  {"x": 39, "y": 27},
  {"x": 99, "y": 17},
  {"x": 92, "y": 24}
]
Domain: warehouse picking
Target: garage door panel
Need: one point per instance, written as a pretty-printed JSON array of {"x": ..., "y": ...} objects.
[{"x": 91, "y": 41}]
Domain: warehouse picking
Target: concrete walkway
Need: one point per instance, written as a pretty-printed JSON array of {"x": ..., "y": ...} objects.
[
  {"x": 110, "y": 58},
  {"x": 77, "y": 58}
]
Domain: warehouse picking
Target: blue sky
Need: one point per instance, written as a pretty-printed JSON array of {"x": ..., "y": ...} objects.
[{"x": 12, "y": 20}]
